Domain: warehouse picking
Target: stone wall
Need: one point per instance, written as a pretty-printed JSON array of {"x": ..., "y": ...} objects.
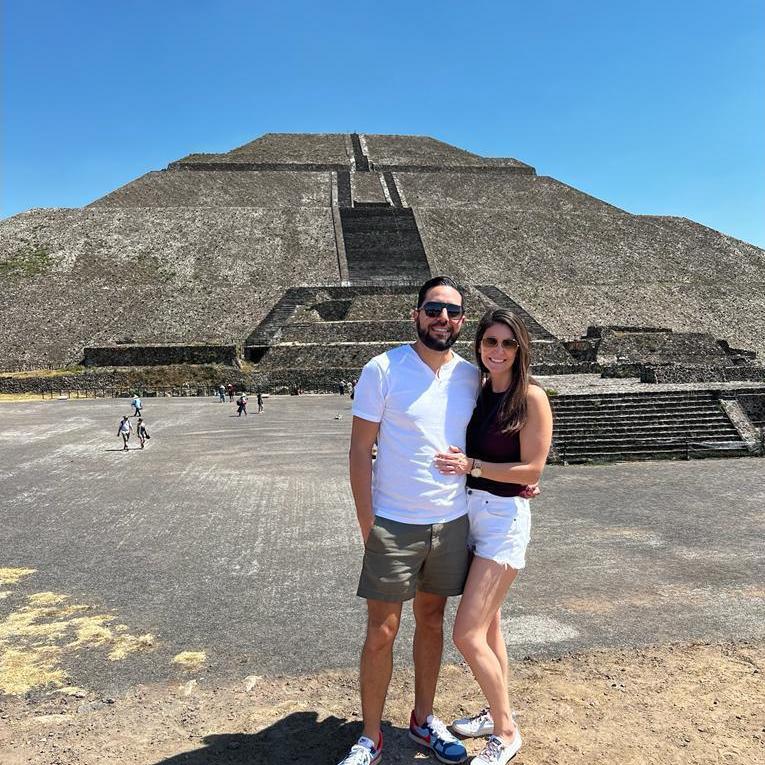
[
  {"x": 216, "y": 188},
  {"x": 392, "y": 151},
  {"x": 120, "y": 381},
  {"x": 659, "y": 346},
  {"x": 461, "y": 190},
  {"x": 286, "y": 148},
  {"x": 679, "y": 373},
  {"x": 156, "y": 355},
  {"x": 754, "y": 406}
]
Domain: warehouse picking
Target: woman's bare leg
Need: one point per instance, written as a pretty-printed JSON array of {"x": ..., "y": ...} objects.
[
  {"x": 485, "y": 590},
  {"x": 497, "y": 644}
]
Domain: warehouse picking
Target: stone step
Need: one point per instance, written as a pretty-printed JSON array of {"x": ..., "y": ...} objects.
[
  {"x": 622, "y": 444},
  {"x": 675, "y": 428},
  {"x": 637, "y": 414},
  {"x": 603, "y": 400},
  {"x": 691, "y": 395},
  {"x": 668, "y": 453},
  {"x": 638, "y": 404},
  {"x": 383, "y": 244}
]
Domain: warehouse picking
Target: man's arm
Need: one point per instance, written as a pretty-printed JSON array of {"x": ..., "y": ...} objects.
[{"x": 363, "y": 437}]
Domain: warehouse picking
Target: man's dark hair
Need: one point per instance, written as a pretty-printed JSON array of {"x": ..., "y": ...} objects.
[{"x": 439, "y": 281}]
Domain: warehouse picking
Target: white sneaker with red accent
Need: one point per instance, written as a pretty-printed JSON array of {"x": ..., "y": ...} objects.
[
  {"x": 499, "y": 752},
  {"x": 477, "y": 726}
]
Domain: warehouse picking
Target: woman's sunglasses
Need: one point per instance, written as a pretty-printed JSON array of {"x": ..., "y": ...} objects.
[
  {"x": 433, "y": 309},
  {"x": 491, "y": 342}
]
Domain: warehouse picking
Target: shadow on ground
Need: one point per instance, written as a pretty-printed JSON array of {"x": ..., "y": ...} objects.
[{"x": 298, "y": 738}]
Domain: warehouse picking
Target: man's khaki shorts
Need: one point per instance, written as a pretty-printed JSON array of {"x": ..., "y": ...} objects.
[{"x": 401, "y": 558}]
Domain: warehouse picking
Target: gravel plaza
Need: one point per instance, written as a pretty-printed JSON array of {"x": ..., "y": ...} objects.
[{"x": 236, "y": 538}]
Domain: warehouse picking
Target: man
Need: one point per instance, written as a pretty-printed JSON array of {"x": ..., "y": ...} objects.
[
  {"x": 413, "y": 401},
  {"x": 137, "y": 406},
  {"x": 124, "y": 430}
]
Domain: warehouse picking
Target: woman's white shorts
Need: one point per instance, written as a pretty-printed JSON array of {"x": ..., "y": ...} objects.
[{"x": 500, "y": 527}]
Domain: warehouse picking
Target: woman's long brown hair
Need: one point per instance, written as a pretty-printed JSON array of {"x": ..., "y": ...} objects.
[{"x": 512, "y": 409}]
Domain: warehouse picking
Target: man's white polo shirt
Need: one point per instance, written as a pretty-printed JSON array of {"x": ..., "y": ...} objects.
[{"x": 420, "y": 414}]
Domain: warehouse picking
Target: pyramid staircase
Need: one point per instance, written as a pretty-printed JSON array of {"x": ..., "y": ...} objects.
[
  {"x": 643, "y": 426},
  {"x": 383, "y": 245},
  {"x": 536, "y": 330}
]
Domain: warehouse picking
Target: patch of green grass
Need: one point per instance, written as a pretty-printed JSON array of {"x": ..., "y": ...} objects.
[
  {"x": 27, "y": 262},
  {"x": 74, "y": 369}
]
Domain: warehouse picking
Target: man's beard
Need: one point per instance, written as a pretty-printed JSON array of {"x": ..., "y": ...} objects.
[{"x": 434, "y": 343}]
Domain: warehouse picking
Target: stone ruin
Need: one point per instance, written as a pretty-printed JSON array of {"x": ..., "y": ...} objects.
[{"x": 295, "y": 258}]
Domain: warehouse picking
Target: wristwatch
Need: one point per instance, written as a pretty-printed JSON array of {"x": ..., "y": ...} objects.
[{"x": 476, "y": 471}]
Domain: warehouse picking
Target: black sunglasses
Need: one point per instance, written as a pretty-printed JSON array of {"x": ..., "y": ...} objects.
[
  {"x": 491, "y": 342},
  {"x": 433, "y": 309}
]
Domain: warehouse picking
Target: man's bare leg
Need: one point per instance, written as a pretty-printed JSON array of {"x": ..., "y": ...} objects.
[
  {"x": 383, "y": 620},
  {"x": 428, "y": 647}
]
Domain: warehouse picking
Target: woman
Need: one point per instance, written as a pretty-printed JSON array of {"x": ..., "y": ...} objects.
[
  {"x": 143, "y": 433},
  {"x": 508, "y": 439}
]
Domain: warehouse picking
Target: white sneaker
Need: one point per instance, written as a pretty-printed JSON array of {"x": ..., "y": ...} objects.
[
  {"x": 497, "y": 752},
  {"x": 476, "y": 726},
  {"x": 364, "y": 752}
]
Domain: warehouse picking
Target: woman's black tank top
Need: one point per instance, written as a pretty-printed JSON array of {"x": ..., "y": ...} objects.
[{"x": 486, "y": 442}]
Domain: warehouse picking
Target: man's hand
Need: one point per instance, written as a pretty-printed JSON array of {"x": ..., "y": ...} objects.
[
  {"x": 453, "y": 462},
  {"x": 366, "y": 528}
]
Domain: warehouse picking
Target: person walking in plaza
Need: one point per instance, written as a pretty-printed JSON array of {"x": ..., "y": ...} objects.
[
  {"x": 137, "y": 405},
  {"x": 142, "y": 432},
  {"x": 260, "y": 402},
  {"x": 222, "y": 393},
  {"x": 241, "y": 405},
  {"x": 124, "y": 430},
  {"x": 230, "y": 389},
  {"x": 508, "y": 440},
  {"x": 414, "y": 401}
]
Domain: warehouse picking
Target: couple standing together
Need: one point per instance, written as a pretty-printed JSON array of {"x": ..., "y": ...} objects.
[{"x": 437, "y": 419}]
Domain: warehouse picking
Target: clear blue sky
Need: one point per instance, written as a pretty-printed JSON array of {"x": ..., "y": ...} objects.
[{"x": 656, "y": 106}]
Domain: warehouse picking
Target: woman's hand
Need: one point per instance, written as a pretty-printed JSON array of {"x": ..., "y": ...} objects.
[
  {"x": 531, "y": 491},
  {"x": 454, "y": 462}
]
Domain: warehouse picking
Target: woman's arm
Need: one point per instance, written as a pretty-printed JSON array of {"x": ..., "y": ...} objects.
[{"x": 535, "y": 437}]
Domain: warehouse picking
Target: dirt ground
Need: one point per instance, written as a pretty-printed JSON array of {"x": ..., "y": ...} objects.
[{"x": 672, "y": 704}]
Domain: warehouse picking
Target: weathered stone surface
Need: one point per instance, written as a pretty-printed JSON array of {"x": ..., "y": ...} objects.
[
  {"x": 202, "y": 255},
  {"x": 223, "y": 189},
  {"x": 155, "y": 355},
  {"x": 156, "y": 275}
]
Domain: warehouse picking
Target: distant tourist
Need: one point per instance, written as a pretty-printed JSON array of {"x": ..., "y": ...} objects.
[
  {"x": 353, "y": 388},
  {"x": 124, "y": 430},
  {"x": 260, "y": 402},
  {"x": 222, "y": 393},
  {"x": 142, "y": 432},
  {"x": 137, "y": 406},
  {"x": 241, "y": 405},
  {"x": 230, "y": 389},
  {"x": 341, "y": 387}
]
